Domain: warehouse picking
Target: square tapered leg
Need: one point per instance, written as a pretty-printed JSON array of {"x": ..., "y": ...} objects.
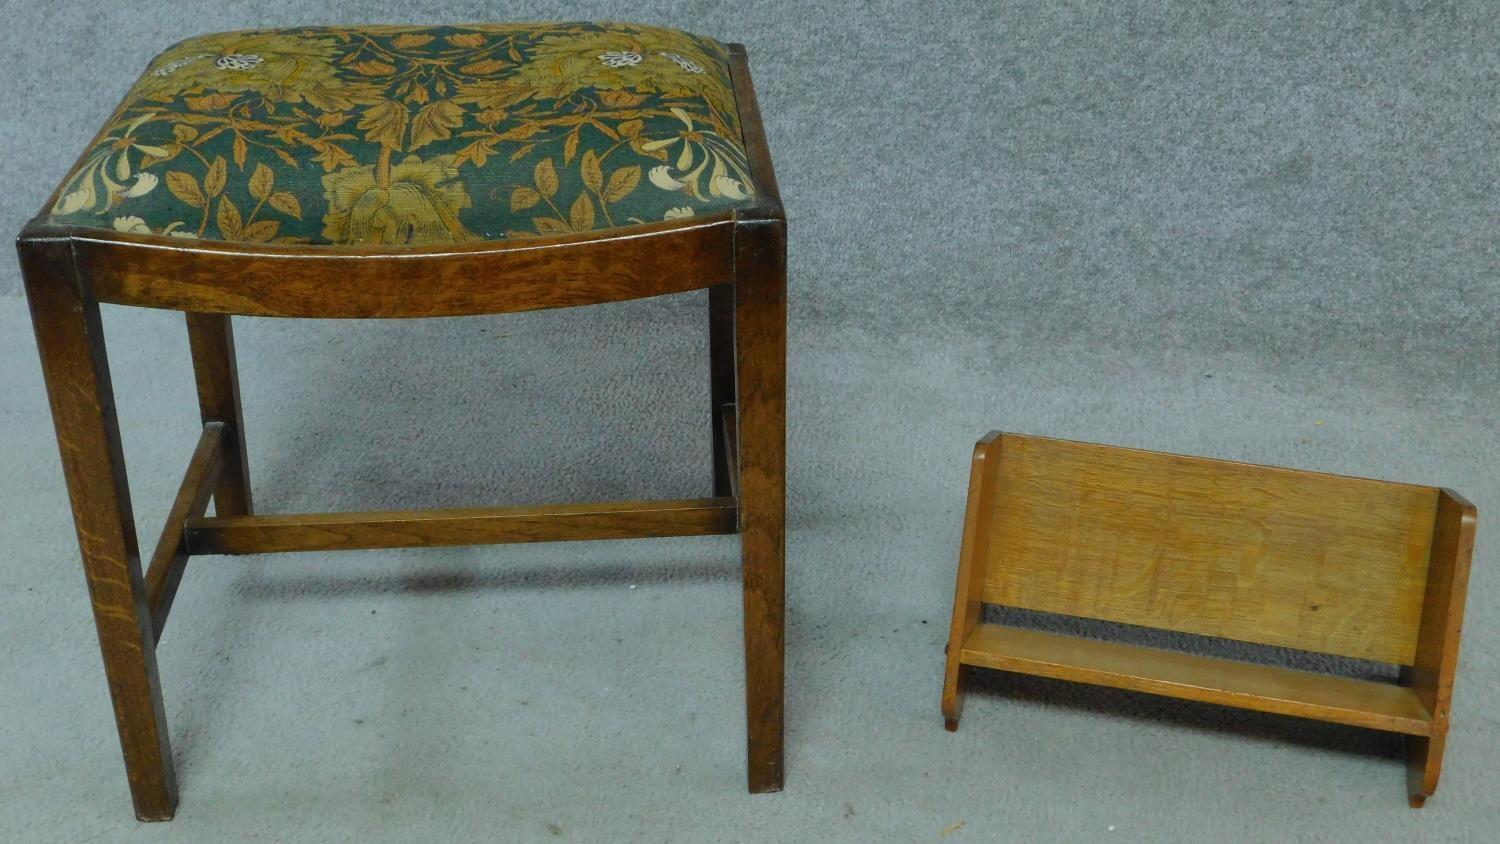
[
  {"x": 760, "y": 328},
  {"x": 71, "y": 343}
]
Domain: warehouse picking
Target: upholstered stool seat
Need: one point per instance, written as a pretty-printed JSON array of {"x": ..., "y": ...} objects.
[
  {"x": 398, "y": 172},
  {"x": 417, "y": 135}
]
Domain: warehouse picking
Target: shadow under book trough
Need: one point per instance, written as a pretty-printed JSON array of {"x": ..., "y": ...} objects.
[{"x": 1206, "y": 717}]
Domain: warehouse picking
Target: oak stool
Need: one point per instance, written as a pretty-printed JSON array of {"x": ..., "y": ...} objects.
[{"x": 399, "y": 172}]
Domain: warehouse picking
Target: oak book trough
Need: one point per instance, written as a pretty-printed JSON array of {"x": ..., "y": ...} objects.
[{"x": 1345, "y": 566}]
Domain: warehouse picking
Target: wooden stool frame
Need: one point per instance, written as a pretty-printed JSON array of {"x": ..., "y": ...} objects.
[
  {"x": 1352, "y": 567},
  {"x": 740, "y": 258}
]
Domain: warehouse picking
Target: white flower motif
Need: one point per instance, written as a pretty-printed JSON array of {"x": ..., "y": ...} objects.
[
  {"x": 135, "y": 225},
  {"x": 702, "y": 154},
  {"x": 172, "y": 67},
  {"x": 75, "y": 200},
  {"x": 621, "y": 58},
  {"x": 661, "y": 176},
  {"x": 110, "y": 164},
  {"x": 238, "y": 61},
  {"x": 684, "y": 62},
  {"x": 144, "y": 184},
  {"x": 724, "y": 185},
  {"x": 678, "y": 213},
  {"x": 131, "y": 225}
]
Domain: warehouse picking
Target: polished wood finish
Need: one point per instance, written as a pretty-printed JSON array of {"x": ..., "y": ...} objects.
[
  {"x": 740, "y": 258},
  {"x": 967, "y": 606},
  {"x": 721, "y": 380},
  {"x": 1254, "y": 553},
  {"x": 211, "y": 340},
  {"x": 170, "y": 559},
  {"x": 753, "y": 129},
  {"x": 473, "y": 526},
  {"x": 729, "y": 450},
  {"x": 761, "y": 378},
  {"x": 1343, "y": 566},
  {"x": 759, "y": 257},
  {"x": 1266, "y": 688},
  {"x": 1432, "y": 672},
  {"x": 70, "y": 340},
  {"x": 395, "y": 282},
  {"x": 760, "y": 362}
]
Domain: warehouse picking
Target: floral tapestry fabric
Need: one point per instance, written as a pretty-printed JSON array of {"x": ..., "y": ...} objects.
[{"x": 412, "y": 135}]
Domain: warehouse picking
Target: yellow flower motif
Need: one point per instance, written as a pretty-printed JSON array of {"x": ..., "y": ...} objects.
[
  {"x": 643, "y": 59},
  {"x": 702, "y": 150},
  {"x": 416, "y": 201},
  {"x": 314, "y": 123},
  {"x": 277, "y": 65}
]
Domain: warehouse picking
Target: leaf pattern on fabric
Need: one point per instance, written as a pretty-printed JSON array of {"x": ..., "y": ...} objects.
[{"x": 409, "y": 135}]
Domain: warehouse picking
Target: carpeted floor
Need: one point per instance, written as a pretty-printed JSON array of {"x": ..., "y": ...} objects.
[{"x": 1263, "y": 235}]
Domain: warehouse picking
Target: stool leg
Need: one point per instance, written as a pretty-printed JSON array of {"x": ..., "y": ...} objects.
[
  {"x": 211, "y": 339},
  {"x": 760, "y": 330},
  {"x": 71, "y": 344},
  {"x": 721, "y": 376}
]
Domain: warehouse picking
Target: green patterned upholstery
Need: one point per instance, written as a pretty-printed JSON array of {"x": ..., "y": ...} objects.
[{"x": 396, "y": 135}]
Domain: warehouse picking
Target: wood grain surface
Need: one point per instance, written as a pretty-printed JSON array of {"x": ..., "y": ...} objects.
[{"x": 1273, "y": 556}]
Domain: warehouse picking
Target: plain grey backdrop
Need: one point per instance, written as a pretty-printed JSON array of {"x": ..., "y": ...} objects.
[{"x": 1260, "y": 231}]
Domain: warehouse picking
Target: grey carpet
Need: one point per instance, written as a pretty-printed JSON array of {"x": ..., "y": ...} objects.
[{"x": 1263, "y": 234}]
